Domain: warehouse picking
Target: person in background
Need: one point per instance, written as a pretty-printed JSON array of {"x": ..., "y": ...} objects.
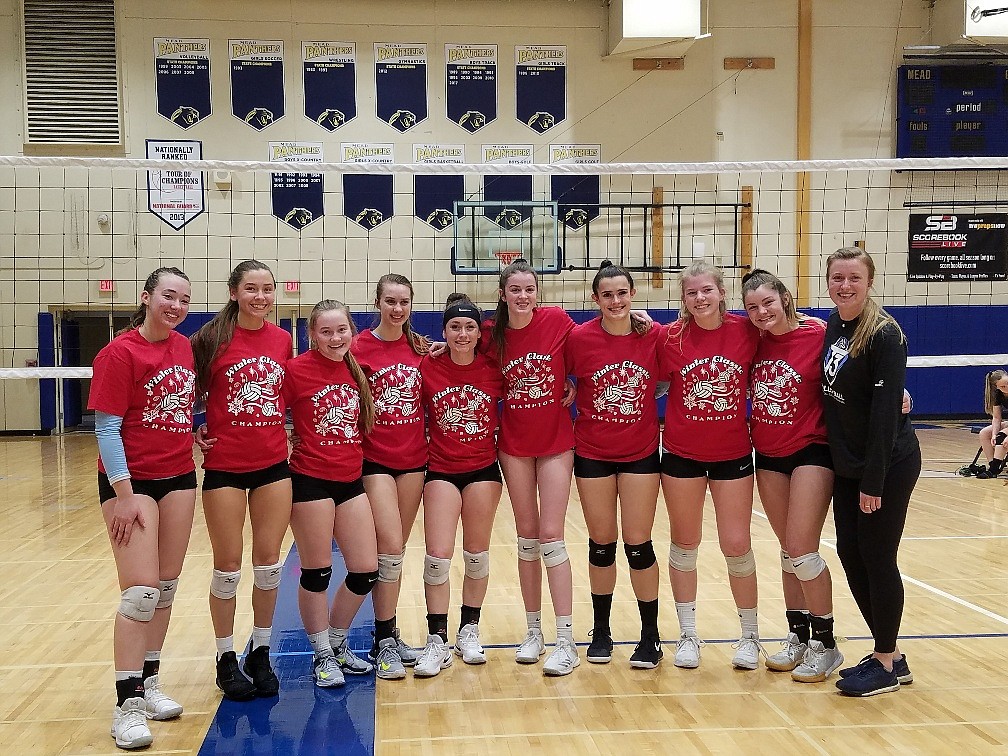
[{"x": 993, "y": 438}]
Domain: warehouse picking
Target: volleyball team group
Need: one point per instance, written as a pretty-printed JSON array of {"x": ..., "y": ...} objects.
[{"x": 384, "y": 419}]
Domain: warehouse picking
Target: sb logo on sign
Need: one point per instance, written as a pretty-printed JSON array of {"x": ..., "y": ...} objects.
[{"x": 940, "y": 223}]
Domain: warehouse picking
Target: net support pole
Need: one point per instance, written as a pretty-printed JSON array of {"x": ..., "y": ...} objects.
[
  {"x": 657, "y": 236},
  {"x": 746, "y": 228},
  {"x": 803, "y": 139}
]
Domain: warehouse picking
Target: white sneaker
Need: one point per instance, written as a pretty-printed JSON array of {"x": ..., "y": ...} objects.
[
  {"x": 158, "y": 705},
  {"x": 747, "y": 652},
  {"x": 562, "y": 659},
  {"x": 407, "y": 653},
  {"x": 467, "y": 645},
  {"x": 531, "y": 648},
  {"x": 129, "y": 725},
  {"x": 388, "y": 665},
  {"x": 790, "y": 655},
  {"x": 327, "y": 673},
  {"x": 435, "y": 656},
  {"x": 687, "y": 651},
  {"x": 819, "y": 663}
]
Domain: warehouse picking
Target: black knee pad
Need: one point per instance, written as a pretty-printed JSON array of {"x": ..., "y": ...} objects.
[
  {"x": 1000, "y": 438},
  {"x": 361, "y": 583},
  {"x": 640, "y": 556},
  {"x": 601, "y": 554},
  {"x": 316, "y": 579}
]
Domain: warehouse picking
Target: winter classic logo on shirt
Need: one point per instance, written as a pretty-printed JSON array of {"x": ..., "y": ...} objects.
[
  {"x": 529, "y": 380},
  {"x": 396, "y": 391},
  {"x": 711, "y": 388},
  {"x": 254, "y": 390},
  {"x": 170, "y": 397},
  {"x": 619, "y": 392},
  {"x": 335, "y": 413},
  {"x": 463, "y": 412},
  {"x": 775, "y": 392}
]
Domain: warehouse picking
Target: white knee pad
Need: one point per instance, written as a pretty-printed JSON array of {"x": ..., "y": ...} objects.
[
  {"x": 435, "y": 570},
  {"x": 786, "y": 563},
  {"x": 477, "y": 566},
  {"x": 167, "y": 593},
  {"x": 741, "y": 566},
  {"x": 138, "y": 602},
  {"x": 528, "y": 549},
  {"x": 809, "y": 566},
  {"x": 554, "y": 553},
  {"x": 224, "y": 585},
  {"x": 684, "y": 560},
  {"x": 267, "y": 576},
  {"x": 390, "y": 567}
]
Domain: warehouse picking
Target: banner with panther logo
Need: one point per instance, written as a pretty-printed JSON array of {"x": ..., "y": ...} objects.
[
  {"x": 297, "y": 197},
  {"x": 507, "y": 188},
  {"x": 401, "y": 84},
  {"x": 257, "y": 81},
  {"x": 182, "y": 79},
  {"x": 176, "y": 196},
  {"x": 367, "y": 198},
  {"x": 541, "y": 85},
  {"x": 571, "y": 193},
  {"x": 471, "y": 85},
  {"x": 434, "y": 196},
  {"x": 330, "y": 82}
]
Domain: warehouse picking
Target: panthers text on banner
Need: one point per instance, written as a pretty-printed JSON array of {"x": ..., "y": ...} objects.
[
  {"x": 257, "y": 81},
  {"x": 401, "y": 84},
  {"x": 505, "y": 188},
  {"x": 296, "y": 197},
  {"x": 182, "y": 79},
  {"x": 330, "y": 87},
  {"x": 471, "y": 85},
  {"x": 434, "y": 196},
  {"x": 541, "y": 85},
  {"x": 572, "y": 193}
]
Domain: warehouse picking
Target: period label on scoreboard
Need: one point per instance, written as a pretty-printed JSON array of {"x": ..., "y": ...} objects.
[
  {"x": 257, "y": 81},
  {"x": 330, "y": 82},
  {"x": 296, "y": 197},
  {"x": 471, "y": 85},
  {"x": 958, "y": 247},
  {"x": 401, "y": 84},
  {"x": 175, "y": 195},
  {"x": 541, "y": 85},
  {"x": 182, "y": 79}
]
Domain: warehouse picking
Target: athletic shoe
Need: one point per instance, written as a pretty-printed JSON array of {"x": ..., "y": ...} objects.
[
  {"x": 129, "y": 725},
  {"x": 818, "y": 664},
  {"x": 349, "y": 662},
  {"x": 435, "y": 656},
  {"x": 902, "y": 670},
  {"x": 407, "y": 654},
  {"x": 870, "y": 681},
  {"x": 562, "y": 659},
  {"x": 235, "y": 685},
  {"x": 789, "y": 656},
  {"x": 531, "y": 648},
  {"x": 747, "y": 652},
  {"x": 388, "y": 665},
  {"x": 648, "y": 654},
  {"x": 467, "y": 645},
  {"x": 158, "y": 705},
  {"x": 600, "y": 648},
  {"x": 687, "y": 651},
  {"x": 326, "y": 671},
  {"x": 257, "y": 667}
]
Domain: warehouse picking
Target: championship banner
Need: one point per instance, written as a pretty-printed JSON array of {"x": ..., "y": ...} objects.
[
  {"x": 507, "y": 188},
  {"x": 471, "y": 85},
  {"x": 182, "y": 79},
  {"x": 434, "y": 196},
  {"x": 575, "y": 190},
  {"x": 257, "y": 81},
  {"x": 401, "y": 84},
  {"x": 175, "y": 196},
  {"x": 541, "y": 85},
  {"x": 367, "y": 197},
  {"x": 330, "y": 82},
  {"x": 958, "y": 247},
  {"x": 297, "y": 197}
]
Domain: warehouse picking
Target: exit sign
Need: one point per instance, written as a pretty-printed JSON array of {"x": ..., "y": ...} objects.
[
  {"x": 106, "y": 286},
  {"x": 292, "y": 287}
]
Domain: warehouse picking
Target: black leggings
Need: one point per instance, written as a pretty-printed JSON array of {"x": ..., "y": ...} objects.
[{"x": 868, "y": 543}]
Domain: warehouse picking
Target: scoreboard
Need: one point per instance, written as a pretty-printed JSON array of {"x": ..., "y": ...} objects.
[{"x": 952, "y": 111}]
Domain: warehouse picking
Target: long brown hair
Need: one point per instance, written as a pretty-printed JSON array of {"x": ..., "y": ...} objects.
[
  {"x": 367, "y": 408},
  {"x": 140, "y": 313},
  {"x": 608, "y": 269},
  {"x": 758, "y": 277},
  {"x": 418, "y": 343},
  {"x": 873, "y": 317},
  {"x": 500, "y": 316},
  {"x": 991, "y": 390}
]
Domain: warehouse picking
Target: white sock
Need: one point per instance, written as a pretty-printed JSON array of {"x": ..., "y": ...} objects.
[
  {"x": 224, "y": 645},
  {"x": 749, "y": 623},
  {"x": 320, "y": 643},
  {"x": 686, "y": 612},
  {"x": 261, "y": 636},
  {"x": 534, "y": 620},
  {"x": 127, "y": 675},
  {"x": 337, "y": 637},
  {"x": 152, "y": 656},
  {"x": 565, "y": 628}
]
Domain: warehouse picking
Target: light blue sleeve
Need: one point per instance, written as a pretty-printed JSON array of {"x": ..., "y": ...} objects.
[{"x": 108, "y": 429}]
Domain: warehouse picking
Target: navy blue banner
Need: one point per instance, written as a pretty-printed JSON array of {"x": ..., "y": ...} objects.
[
  {"x": 434, "y": 199},
  {"x": 330, "y": 86},
  {"x": 401, "y": 84},
  {"x": 565, "y": 190},
  {"x": 471, "y": 85},
  {"x": 257, "y": 81},
  {"x": 297, "y": 198},
  {"x": 367, "y": 199},
  {"x": 541, "y": 85},
  {"x": 182, "y": 79},
  {"x": 507, "y": 189}
]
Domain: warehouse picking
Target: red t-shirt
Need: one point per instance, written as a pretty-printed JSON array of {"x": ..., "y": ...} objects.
[
  {"x": 325, "y": 402},
  {"x": 153, "y": 388},
  {"x": 245, "y": 410},
  {"x": 534, "y": 422},
  {"x": 461, "y": 403},
  {"x": 785, "y": 388},
  {"x": 617, "y": 417},
  {"x": 399, "y": 438},
  {"x": 708, "y": 371}
]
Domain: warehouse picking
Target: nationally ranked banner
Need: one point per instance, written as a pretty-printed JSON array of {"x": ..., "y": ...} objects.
[
  {"x": 182, "y": 79},
  {"x": 401, "y": 84},
  {"x": 330, "y": 86},
  {"x": 257, "y": 81},
  {"x": 176, "y": 196},
  {"x": 471, "y": 85}
]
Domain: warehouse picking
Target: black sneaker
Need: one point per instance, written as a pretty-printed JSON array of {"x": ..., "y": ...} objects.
[
  {"x": 257, "y": 667},
  {"x": 600, "y": 648},
  {"x": 900, "y": 668},
  {"x": 870, "y": 681},
  {"x": 235, "y": 685},
  {"x": 856, "y": 669},
  {"x": 647, "y": 655}
]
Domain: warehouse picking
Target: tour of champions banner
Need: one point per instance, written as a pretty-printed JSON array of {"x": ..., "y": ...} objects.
[
  {"x": 330, "y": 84},
  {"x": 367, "y": 197},
  {"x": 958, "y": 247},
  {"x": 568, "y": 190},
  {"x": 401, "y": 84},
  {"x": 434, "y": 196},
  {"x": 182, "y": 79},
  {"x": 257, "y": 81},
  {"x": 541, "y": 85},
  {"x": 176, "y": 196},
  {"x": 297, "y": 197},
  {"x": 471, "y": 85},
  {"x": 507, "y": 188}
]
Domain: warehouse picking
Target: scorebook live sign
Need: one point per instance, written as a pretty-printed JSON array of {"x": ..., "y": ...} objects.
[
  {"x": 175, "y": 196},
  {"x": 958, "y": 248}
]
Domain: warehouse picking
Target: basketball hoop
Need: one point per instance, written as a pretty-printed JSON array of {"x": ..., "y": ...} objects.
[{"x": 507, "y": 256}]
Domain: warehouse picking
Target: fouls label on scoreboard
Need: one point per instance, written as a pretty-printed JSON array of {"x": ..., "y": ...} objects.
[{"x": 958, "y": 247}]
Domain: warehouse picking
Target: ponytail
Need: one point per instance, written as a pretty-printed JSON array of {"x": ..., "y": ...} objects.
[
  {"x": 140, "y": 313},
  {"x": 500, "y": 317}
]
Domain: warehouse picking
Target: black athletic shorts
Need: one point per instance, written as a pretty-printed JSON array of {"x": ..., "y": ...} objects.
[
  {"x": 309, "y": 488},
  {"x": 248, "y": 481},
  {"x": 815, "y": 455},
  {"x": 461, "y": 480},
  {"x": 682, "y": 467},
  {"x": 157, "y": 489},
  {"x": 585, "y": 467},
  {"x": 373, "y": 468}
]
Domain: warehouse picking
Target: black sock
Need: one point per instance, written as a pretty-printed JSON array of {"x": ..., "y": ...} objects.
[
  {"x": 470, "y": 615},
  {"x": 131, "y": 687},
  {"x": 437, "y": 624},
  {"x": 384, "y": 629},
  {"x": 151, "y": 668},
  {"x": 602, "y": 608},
  {"x": 995, "y": 467},
  {"x": 648, "y": 618},
  {"x": 798, "y": 623},
  {"x": 822, "y": 630}
]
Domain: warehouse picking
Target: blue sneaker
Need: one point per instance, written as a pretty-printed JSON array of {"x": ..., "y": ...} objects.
[
  {"x": 870, "y": 681},
  {"x": 902, "y": 670},
  {"x": 856, "y": 669}
]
